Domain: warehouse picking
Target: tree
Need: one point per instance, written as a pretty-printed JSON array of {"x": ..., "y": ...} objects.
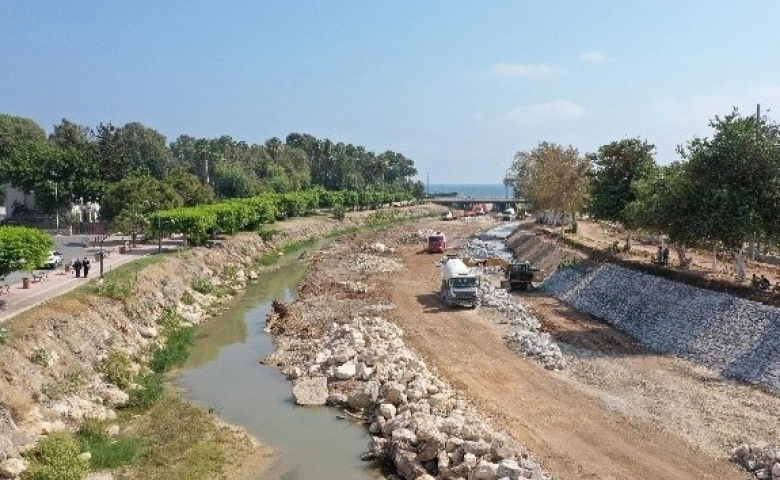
[
  {"x": 735, "y": 181},
  {"x": 22, "y": 248},
  {"x": 71, "y": 135},
  {"x": 130, "y": 150},
  {"x": 18, "y": 130},
  {"x": 190, "y": 188},
  {"x": 552, "y": 178},
  {"x": 140, "y": 193},
  {"x": 665, "y": 202},
  {"x": 617, "y": 166},
  {"x": 234, "y": 181}
]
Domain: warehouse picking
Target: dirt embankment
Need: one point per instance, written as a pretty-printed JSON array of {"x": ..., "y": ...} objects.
[
  {"x": 619, "y": 411},
  {"x": 49, "y": 364}
]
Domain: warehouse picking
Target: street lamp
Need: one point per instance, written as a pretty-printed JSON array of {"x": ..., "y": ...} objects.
[
  {"x": 153, "y": 205},
  {"x": 57, "y": 206}
]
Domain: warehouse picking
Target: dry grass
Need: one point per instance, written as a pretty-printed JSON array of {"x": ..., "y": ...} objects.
[
  {"x": 18, "y": 401},
  {"x": 184, "y": 441}
]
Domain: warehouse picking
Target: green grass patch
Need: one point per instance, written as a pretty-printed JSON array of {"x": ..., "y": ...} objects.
[
  {"x": 107, "y": 452},
  {"x": 119, "y": 283},
  {"x": 175, "y": 351},
  {"x": 152, "y": 387}
]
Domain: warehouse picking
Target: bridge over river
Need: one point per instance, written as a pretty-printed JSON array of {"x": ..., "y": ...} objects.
[{"x": 466, "y": 203}]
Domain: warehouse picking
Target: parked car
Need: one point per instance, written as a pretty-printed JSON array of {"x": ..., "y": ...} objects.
[{"x": 54, "y": 260}]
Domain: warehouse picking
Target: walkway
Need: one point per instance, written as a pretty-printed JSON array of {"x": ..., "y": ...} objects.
[{"x": 20, "y": 299}]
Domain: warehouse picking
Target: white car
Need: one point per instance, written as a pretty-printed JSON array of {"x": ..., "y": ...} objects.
[{"x": 54, "y": 260}]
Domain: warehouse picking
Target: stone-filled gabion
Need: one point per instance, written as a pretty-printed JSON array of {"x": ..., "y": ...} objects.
[
  {"x": 418, "y": 421},
  {"x": 737, "y": 337}
]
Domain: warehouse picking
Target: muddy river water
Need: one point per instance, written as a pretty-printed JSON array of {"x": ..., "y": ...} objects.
[{"x": 224, "y": 374}]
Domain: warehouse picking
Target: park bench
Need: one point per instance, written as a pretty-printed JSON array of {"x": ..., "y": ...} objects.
[
  {"x": 39, "y": 277},
  {"x": 5, "y": 289}
]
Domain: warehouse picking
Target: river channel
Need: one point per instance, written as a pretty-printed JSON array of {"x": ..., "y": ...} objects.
[{"x": 224, "y": 374}]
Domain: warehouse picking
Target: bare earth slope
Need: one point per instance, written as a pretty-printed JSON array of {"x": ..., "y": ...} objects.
[{"x": 569, "y": 425}]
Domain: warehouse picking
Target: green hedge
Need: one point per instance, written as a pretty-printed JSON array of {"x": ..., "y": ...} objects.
[{"x": 240, "y": 214}]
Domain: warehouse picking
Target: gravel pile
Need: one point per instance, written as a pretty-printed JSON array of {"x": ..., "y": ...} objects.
[
  {"x": 366, "y": 263},
  {"x": 482, "y": 249},
  {"x": 418, "y": 236},
  {"x": 417, "y": 421},
  {"x": 526, "y": 340}
]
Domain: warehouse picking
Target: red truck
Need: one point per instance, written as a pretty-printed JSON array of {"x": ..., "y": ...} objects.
[{"x": 437, "y": 243}]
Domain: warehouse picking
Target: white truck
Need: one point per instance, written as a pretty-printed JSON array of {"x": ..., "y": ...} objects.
[
  {"x": 459, "y": 286},
  {"x": 508, "y": 215}
]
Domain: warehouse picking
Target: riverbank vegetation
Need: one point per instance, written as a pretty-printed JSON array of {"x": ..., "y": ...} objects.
[{"x": 723, "y": 191}]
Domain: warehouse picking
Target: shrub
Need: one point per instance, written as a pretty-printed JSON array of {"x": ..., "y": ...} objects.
[
  {"x": 201, "y": 285},
  {"x": 107, "y": 452},
  {"x": 5, "y": 335},
  {"x": 187, "y": 298},
  {"x": 175, "y": 350},
  {"x": 56, "y": 457},
  {"x": 73, "y": 380},
  {"x": 150, "y": 390},
  {"x": 267, "y": 232},
  {"x": 40, "y": 357},
  {"x": 339, "y": 212},
  {"x": 118, "y": 369}
]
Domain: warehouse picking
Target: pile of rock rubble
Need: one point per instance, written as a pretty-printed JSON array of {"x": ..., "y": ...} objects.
[
  {"x": 418, "y": 236},
  {"x": 366, "y": 263},
  {"x": 763, "y": 461},
  {"x": 417, "y": 421},
  {"x": 526, "y": 339}
]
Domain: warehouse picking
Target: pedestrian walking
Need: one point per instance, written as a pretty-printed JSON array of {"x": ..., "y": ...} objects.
[
  {"x": 665, "y": 254},
  {"x": 85, "y": 265},
  {"x": 660, "y": 256},
  {"x": 77, "y": 267}
]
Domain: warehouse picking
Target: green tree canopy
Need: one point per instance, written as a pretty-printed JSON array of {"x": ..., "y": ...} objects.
[
  {"x": 17, "y": 130},
  {"x": 22, "y": 248},
  {"x": 735, "y": 179},
  {"x": 617, "y": 166},
  {"x": 142, "y": 194}
]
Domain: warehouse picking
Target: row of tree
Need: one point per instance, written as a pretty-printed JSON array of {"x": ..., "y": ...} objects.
[
  {"x": 132, "y": 167},
  {"x": 724, "y": 190}
]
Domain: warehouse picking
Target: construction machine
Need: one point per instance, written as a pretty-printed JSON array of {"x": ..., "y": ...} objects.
[{"x": 519, "y": 276}]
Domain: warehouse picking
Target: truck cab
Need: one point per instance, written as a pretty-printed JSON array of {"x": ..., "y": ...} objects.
[
  {"x": 437, "y": 243},
  {"x": 459, "y": 286}
]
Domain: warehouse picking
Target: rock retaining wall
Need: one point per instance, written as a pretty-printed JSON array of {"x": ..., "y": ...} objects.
[{"x": 737, "y": 337}]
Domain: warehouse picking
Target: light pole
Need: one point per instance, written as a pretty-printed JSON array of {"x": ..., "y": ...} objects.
[{"x": 56, "y": 205}]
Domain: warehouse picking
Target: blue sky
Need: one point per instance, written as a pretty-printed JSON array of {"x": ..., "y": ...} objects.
[{"x": 457, "y": 86}]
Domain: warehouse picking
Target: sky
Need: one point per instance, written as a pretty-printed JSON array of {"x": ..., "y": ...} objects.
[{"x": 457, "y": 86}]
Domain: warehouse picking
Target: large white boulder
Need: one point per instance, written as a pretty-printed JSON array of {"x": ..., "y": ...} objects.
[{"x": 310, "y": 391}]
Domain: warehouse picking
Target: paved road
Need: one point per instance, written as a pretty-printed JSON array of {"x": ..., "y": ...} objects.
[{"x": 58, "y": 282}]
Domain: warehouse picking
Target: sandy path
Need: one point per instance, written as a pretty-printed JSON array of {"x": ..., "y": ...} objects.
[{"x": 567, "y": 428}]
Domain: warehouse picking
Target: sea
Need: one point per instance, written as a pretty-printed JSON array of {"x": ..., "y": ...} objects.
[{"x": 471, "y": 189}]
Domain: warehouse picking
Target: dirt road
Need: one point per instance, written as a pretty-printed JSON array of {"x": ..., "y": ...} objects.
[{"x": 572, "y": 428}]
